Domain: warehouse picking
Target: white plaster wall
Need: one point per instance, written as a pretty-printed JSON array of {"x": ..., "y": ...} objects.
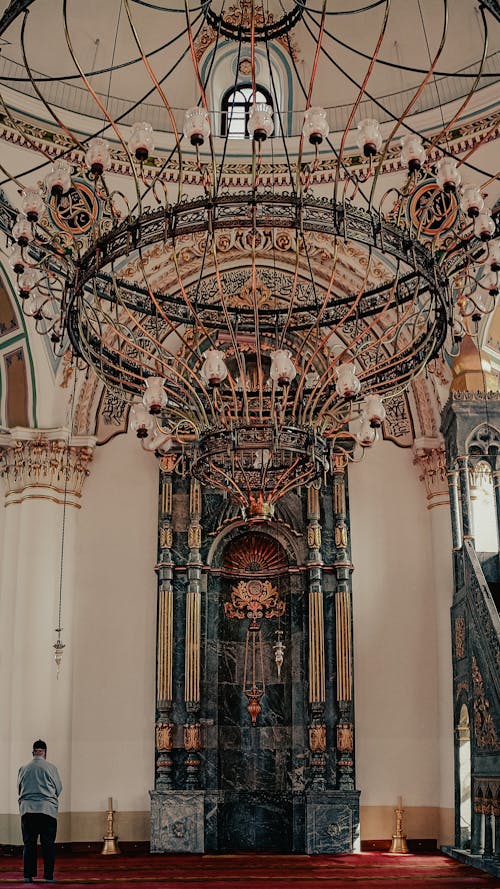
[
  {"x": 115, "y": 617},
  {"x": 395, "y": 650}
]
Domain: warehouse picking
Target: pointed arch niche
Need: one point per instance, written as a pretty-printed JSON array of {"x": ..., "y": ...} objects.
[{"x": 257, "y": 616}]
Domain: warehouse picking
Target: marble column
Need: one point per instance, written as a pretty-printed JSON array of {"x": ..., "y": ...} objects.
[
  {"x": 430, "y": 458},
  {"x": 467, "y": 523},
  {"x": 165, "y": 632},
  {"x": 317, "y": 724},
  {"x": 43, "y": 473},
  {"x": 192, "y": 729},
  {"x": 496, "y": 485},
  {"x": 343, "y": 629}
]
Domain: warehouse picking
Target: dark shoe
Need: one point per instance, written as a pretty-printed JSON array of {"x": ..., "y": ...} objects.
[{"x": 28, "y": 879}]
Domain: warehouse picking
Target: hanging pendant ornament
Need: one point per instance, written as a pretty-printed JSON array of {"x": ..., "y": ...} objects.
[
  {"x": 58, "y": 651},
  {"x": 279, "y": 651}
]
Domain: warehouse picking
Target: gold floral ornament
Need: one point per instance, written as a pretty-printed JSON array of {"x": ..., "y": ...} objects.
[{"x": 254, "y": 599}]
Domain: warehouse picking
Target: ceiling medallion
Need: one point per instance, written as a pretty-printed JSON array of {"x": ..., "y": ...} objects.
[{"x": 246, "y": 20}]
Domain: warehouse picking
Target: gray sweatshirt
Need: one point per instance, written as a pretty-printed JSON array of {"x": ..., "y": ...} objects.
[{"x": 39, "y": 787}]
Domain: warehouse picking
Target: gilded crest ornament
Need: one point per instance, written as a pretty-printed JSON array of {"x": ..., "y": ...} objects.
[
  {"x": 345, "y": 737},
  {"x": 166, "y": 537},
  {"x": 254, "y": 599},
  {"x": 317, "y": 738},
  {"x": 194, "y": 536},
  {"x": 314, "y": 537},
  {"x": 192, "y": 736},
  {"x": 164, "y": 736},
  {"x": 341, "y": 538}
]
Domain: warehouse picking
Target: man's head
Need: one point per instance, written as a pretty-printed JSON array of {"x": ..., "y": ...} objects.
[{"x": 40, "y": 748}]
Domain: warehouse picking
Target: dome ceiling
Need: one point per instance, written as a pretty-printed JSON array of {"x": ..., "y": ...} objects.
[{"x": 102, "y": 39}]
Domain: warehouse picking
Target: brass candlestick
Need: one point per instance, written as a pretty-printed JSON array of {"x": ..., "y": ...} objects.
[
  {"x": 110, "y": 845},
  {"x": 398, "y": 845}
]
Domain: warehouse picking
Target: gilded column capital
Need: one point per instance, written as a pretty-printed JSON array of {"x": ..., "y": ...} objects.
[
  {"x": 43, "y": 464},
  {"x": 430, "y": 457}
]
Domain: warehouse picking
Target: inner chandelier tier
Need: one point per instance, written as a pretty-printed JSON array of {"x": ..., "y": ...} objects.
[{"x": 243, "y": 273}]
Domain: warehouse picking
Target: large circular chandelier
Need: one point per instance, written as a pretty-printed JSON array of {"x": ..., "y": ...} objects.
[{"x": 244, "y": 278}]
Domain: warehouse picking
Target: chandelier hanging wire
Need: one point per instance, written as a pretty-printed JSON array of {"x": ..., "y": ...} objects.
[{"x": 257, "y": 313}]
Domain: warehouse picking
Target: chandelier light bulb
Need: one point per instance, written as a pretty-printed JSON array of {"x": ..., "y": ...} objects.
[
  {"x": 141, "y": 421},
  {"x": 447, "y": 176},
  {"x": 27, "y": 281},
  {"x": 32, "y": 204},
  {"x": 489, "y": 282},
  {"x": 35, "y": 304},
  {"x": 471, "y": 201},
  {"x": 214, "y": 368},
  {"x": 494, "y": 256},
  {"x": 367, "y": 434},
  {"x": 155, "y": 397},
  {"x": 375, "y": 411},
  {"x": 369, "y": 137},
  {"x": 484, "y": 226},
  {"x": 282, "y": 370},
  {"x": 141, "y": 141},
  {"x": 58, "y": 180},
  {"x": 412, "y": 152},
  {"x": 16, "y": 261},
  {"x": 260, "y": 121},
  {"x": 347, "y": 385},
  {"x": 315, "y": 127},
  {"x": 22, "y": 231},
  {"x": 98, "y": 157},
  {"x": 196, "y": 126}
]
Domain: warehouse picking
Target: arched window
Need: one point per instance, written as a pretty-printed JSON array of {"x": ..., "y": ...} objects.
[
  {"x": 483, "y": 507},
  {"x": 235, "y": 107}
]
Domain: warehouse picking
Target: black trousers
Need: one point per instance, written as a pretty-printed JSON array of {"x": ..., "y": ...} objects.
[{"x": 34, "y": 825}]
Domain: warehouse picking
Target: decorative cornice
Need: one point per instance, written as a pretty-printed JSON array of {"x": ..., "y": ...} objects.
[
  {"x": 473, "y": 396},
  {"x": 43, "y": 465},
  {"x": 238, "y": 174}
]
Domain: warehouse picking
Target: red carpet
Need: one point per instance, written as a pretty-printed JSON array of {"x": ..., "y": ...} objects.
[{"x": 369, "y": 870}]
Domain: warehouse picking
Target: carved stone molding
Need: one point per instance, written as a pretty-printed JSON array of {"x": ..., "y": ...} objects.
[
  {"x": 40, "y": 464},
  {"x": 460, "y": 637},
  {"x": 486, "y": 736},
  {"x": 430, "y": 457}
]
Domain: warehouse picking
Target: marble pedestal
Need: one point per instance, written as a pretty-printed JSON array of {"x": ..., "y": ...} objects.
[
  {"x": 177, "y": 820},
  {"x": 332, "y": 822}
]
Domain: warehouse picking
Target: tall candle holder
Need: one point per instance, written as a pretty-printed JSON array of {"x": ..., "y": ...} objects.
[
  {"x": 399, "y": 845},
  {"x": 110, "y": 845}
]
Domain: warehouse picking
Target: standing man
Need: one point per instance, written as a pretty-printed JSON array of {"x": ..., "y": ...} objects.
[{"x": 39, "y": 788}]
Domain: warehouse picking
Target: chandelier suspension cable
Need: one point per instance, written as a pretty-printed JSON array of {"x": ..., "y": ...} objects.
[
  {"x": 412, "y": 101},
  {"x": 359, "y": 97},
  {"x": 379, "y": 104},
  {"x": 439, "y": 136},
  {"x": 59, "y": 645}
]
